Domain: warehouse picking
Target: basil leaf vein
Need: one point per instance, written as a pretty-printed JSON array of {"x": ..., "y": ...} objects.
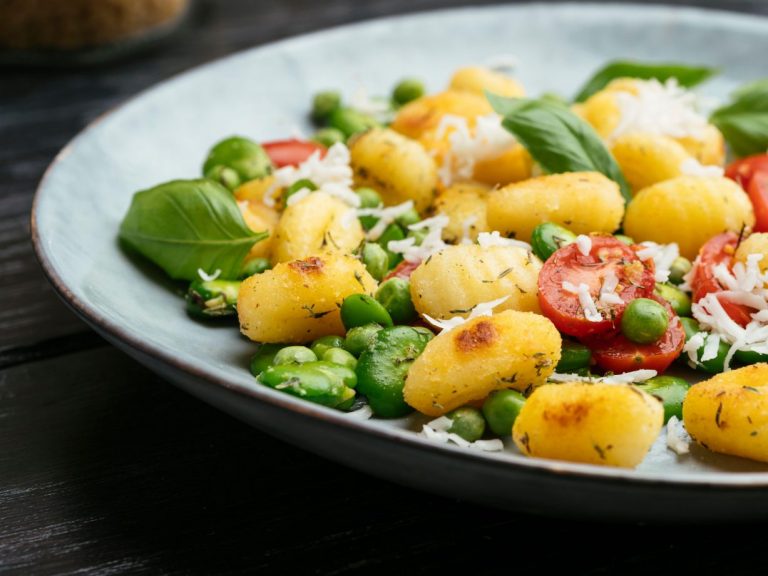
[
  {"x": 557, "y": 139},
  {"x": 186, "y": 225},
  {"x": 686, "y": 76}
]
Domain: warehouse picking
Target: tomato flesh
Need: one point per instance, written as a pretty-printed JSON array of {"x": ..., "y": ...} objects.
[
  {"x": 568, "y": 264},
  {"x": 718, "y": 250},
  {"x": 402, "y": 270},
  {"x": 291, "y": 152},
  {"x": 752, "y": 174},
  {"x": 619, "y": 354}
]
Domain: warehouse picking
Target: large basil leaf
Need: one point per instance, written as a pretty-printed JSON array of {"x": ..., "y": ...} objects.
[
  {"x": 687, "y": 76},
  {"x": 186, "y": 225},
  {"x": 557, "y": 139},
  {"x": 744, "y": 122}
]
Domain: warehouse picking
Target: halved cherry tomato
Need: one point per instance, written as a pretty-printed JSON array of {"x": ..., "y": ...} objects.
[
  {"x": 568, "y": 264},
  {"x": 718, "y": 250},
  {"x": 291, "y": 152},
  {"x": 618, "y": 354},
  {"x": 752, "y": 174},
  {"x": 402, "y": 270}
]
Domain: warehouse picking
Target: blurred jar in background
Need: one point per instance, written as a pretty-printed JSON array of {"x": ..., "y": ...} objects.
[{"x": 85, "y": 27}]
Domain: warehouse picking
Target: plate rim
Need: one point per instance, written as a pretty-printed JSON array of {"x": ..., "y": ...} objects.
[{"x": 92, "y": 315}]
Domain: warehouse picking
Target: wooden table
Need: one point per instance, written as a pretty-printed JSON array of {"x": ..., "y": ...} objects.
[{"x": 105, "y": 468}]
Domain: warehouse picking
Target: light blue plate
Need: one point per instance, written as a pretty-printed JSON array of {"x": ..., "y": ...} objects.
[{"x": 265, "y": 93}]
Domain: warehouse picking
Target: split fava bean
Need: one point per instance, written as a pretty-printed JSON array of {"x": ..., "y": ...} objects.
[
  {"x": 311, "y": 381},
  {"x": 501, "y": 409},
  {"x": 339, "y": 356},
  {"x": 375, "y": 259},
  {"x": 467, "y": 422},
  {"x": 324, "y": 343},
  {"x": 678, "y": 300},
  {"x": 264, "y": 357},
  {"x": 208, "y": 299},
  {"x": 243, "y": 156},
  {"x": 294, "y": 355},
  {"x": 360, "y": 337},
  {"x": 547, "y": 238},
  {"x": 670, "y": 390},
  {"x": 714, "y": 365},
  {"x": 361, "y": 309},
  {"x": 395, "y": 296}
]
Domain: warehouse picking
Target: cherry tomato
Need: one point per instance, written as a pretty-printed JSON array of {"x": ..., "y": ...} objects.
[
  {"x": 718, "y": 250},
  {"x": 752, "y": 174},
  {"x": 617, "y": 353},
  {"x": 402, "y": 270},
  {"x": 291, "y": 152},
  {"x": 568, "y": 264}
]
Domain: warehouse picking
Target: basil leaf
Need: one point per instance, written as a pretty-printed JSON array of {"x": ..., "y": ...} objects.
[
  {"x": 744, "y": 122},
  {"x": 557, "y": 139},
  {"x": 184, "y": 225},
  {"x": 687, "y": 76}
]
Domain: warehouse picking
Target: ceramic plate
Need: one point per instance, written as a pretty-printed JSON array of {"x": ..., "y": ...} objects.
[{"x": 265, "y": 93}]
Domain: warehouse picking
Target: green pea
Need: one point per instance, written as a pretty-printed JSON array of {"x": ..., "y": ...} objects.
[
  {"x": 324, "y": 103},
  {"x": 264, "y": 357},
  {"x": 225, "y": 176},
  {"x": 417, "y": 235},
  {"x": 671, "y": 391},
  {"x": 375, "y": 259},
  {"x": 369, "y": 198},
  {"x": 407, "y": 90},
  {"x": 468, "y": 422},
  {"x": 207, "y": 299},
  {"x": 679, "y": 268},
  {"x": 501, "y": 409},
  {"x": 324, "y": 343},
  {"x": 383, "y": 366},
  {"x": 359, "y": 338},
  {"x": 714, "y": 365},
  {"x": 346, "y": 373},
  {"x": 408, "y": 218},
  {"x": 424, "y": 333},
  {"x": 392, "y": 232},
  {"x": 573, "y": 356},
  {"x": 395, "y": 296},
  {"x": 254, "y": 266},
  {"x": 623, "y": 238},
  {"x": 340, "y": 356},
  {"x": 361, "y": 309},
  {"x": 349, "y": 121},
  {"x": 644, "y": 321},
  {"x": 328, "y": 137},
  {"x": 548, "y": 237},
  {"x": 298, "y": 185},
  {"x": 294, "y": 355},
  {"x": 679, "y": 300},
  {"x": 309, "y": 381},
  {"x": 245, "y": 157}
]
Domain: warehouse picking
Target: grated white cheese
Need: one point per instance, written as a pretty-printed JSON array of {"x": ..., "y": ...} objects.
[
  {"x": 208, "y": 277},
  {"x": 385, "y": 215},
  {"x": 678, "y": 439},
  {"x": 663, "y": 255},
  {"x": 438, "y": 430},
  {"x": 467, "y": 146},
  {"x": 658, "y": 108},
  {"x": 488, "y": 239},
  {"x": 432, "y": 242},
  {"x": 608, "y": 294},
  {"x": 625, "y": 378},
  {"x": 379, "y": 108},
  {"x": 744, "y": 285},
  {"x": 584, "y": 244},
  {"x": 331, "y": 174},
  {"x": 692, "y": 347},
  {"x": 478, "y": 310},
  {"x": 692, "y": 167},
  {"x": 710, "y": 348},
  {"x": 588, "y": 305},
  {"x": 297, "y": 196}
]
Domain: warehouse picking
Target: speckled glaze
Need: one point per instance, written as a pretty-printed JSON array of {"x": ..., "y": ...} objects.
[{"x": 264, "y": 93}]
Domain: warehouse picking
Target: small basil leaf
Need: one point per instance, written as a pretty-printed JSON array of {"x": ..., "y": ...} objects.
[
  {"x": 184, "y": 225},
  {"x": 687, "y": 76},
  {"x": 557, "y": 139},
  {"x": 744, "y": 122}
]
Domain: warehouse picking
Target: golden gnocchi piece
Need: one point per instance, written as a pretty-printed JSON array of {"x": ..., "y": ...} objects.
[
  {"x": 584, "y": 202},
  {"x": 647, "y": 159},
  {"x": 255, "y": 190},
  {"x": 604, "y": 424},
  {"x": 514, "y": 165},
  {"x": 465, "y": 206},
  {"x": 398, "y": 168},
  {"x": 299, "y": 301},
  {"x": 316, "y": 224},
  {"x": 423, "y": 115},
  {"x": 479, "y": 79},
  {"x": 709, "y": 149},
  {"x": 729, "y": 412},
  {"x": 507, "y": 350},
  {"x": 688, "y": 210},
  {"x": 454, "y": 280},
  {"x": 756, "y": 244},
  {"x": 260, "y": 218}
]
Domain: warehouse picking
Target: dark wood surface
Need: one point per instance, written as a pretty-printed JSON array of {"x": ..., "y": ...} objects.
[{"x": 105, "y": 468}]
